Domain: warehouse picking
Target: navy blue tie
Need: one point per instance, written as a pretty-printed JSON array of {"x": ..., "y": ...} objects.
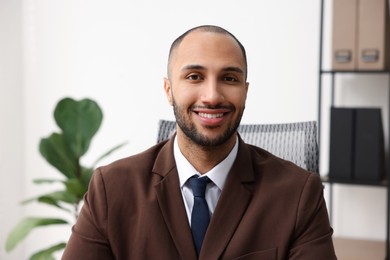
[{"x": 200, "y": 217}]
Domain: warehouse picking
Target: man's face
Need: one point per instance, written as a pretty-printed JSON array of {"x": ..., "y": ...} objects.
[{"x": 207, "y": 87}]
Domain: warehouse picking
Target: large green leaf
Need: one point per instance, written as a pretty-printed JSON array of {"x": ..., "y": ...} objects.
[
  {"x": 63, "y": 196},
  {"x": 86, "y": 175},
  {"x": 79, "y": 121},
  {"x": 47, "y": 181},
  {"x": 75, "y": 187},
  {"x": 24, "y": 227},
  {"x": 47, "y": 254},
  {"x": 54, "y": 198},
  {"x": 56, "y": 152}
]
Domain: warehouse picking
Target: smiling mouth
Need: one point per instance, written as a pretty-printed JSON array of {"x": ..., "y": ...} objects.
[{"x": 210, "y": 116}]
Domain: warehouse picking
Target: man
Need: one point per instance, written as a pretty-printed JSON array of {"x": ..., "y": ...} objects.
[{"x": 258, "y": 206}]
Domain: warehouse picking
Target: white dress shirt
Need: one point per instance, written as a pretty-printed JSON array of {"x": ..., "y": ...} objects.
[{"x": 217, "y": 175}]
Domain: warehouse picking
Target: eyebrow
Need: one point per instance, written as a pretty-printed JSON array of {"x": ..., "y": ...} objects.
[
  {"x": 234, "y": 69},
  {"x": 200, "y": 67},
  {"x": 193, "y": 67}
]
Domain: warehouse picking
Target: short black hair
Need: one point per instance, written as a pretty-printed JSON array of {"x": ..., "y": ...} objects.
[{"x": 208, "y": 28}]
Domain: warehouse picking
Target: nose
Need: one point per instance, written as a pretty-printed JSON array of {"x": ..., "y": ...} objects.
[{"x": 212, "y": 93}]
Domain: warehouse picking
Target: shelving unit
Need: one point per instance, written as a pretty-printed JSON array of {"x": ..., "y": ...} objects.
[{"x": 332, "y": 74}]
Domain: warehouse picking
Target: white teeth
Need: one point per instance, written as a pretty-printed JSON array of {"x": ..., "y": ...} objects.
[{"x": 210, "y": 115}]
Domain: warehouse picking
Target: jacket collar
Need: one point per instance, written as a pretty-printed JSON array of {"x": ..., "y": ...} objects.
[{"x": 171, "y": 202}]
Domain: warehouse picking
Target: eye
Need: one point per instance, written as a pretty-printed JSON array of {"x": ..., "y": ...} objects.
[
  {"x": 194, "y": 77},
  {"x": 230, "y": 79}
]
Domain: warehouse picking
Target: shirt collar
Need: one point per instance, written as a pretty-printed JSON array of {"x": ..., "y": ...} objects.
[{"x": 217, "y": 175}]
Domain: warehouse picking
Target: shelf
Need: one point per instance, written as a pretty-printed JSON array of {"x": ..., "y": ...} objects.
[
  {"x": 355, "y": 71},
  {"x": 357, "y": 249},
  {"x": 353, "y": 249},
  {"x": 382, "y": 183}
]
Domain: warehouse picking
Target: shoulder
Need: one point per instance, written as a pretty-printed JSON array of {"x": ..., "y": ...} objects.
[
  {"x": 279, "y": 172},
  {"x": 283, "y": 183},
  {"x": 141, "y": 160},
  {"x": 135, "y": 169}
]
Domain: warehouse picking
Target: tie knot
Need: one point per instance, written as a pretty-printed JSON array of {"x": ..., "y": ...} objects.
[{"x": 198, "y": 185}]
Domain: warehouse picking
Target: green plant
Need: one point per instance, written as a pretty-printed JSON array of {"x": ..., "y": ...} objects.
[{"x": 79, "y": 121}]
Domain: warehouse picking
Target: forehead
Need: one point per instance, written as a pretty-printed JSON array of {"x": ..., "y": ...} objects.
[{"x": 202, "y": 47}]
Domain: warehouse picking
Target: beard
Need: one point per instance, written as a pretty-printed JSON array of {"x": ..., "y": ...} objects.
[{"x": 190, "y": 130}]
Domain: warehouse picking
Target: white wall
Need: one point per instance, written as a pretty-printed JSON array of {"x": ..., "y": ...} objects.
[
  {"x": 115, "y": 52},
  {"x": 11, "y": 122}
]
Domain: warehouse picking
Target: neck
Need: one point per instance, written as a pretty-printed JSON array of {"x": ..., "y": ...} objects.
[{"x": 201, "y": 157}]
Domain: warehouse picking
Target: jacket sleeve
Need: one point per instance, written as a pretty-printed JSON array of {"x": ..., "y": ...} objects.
[
  {"x": 89, "y": 235},
  {"x": 313, "y": 233}
]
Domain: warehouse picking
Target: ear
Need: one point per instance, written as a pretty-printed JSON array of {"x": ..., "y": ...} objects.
[
  {"x": 168, "y": 90},
  {"x": 246, "y": 90}
]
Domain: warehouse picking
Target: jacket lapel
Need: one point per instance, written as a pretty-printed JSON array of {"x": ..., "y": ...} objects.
[
  {"x": 231, "y": 206},
  {"x": 171, "y": 202}
]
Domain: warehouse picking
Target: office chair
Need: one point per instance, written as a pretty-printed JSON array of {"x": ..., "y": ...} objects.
[{"x": 295, "y": 142}]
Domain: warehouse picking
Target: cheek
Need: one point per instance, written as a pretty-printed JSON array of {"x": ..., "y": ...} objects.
[
  {"x": 238, "y": 98},
  {"x": 185, "y": 97}
]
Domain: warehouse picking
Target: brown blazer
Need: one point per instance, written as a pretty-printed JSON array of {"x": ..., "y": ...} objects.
[{"x": 269, "y": 209}]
